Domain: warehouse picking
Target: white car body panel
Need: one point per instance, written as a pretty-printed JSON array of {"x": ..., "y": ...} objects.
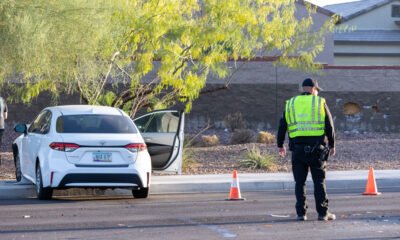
[
  {"x": 175, "y": 139},
  {"x": 55, "y": 165},
  {"x": 176, "y": 157},
  {"x": 93, "y": 142}
]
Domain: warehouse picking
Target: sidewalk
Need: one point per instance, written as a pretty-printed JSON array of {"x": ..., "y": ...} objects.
[{"x": 221, "y": 183}]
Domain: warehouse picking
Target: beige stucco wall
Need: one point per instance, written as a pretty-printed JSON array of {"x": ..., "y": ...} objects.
[
  {"x": 319, "y": 18},
  {"x": 377, "y": 19}
]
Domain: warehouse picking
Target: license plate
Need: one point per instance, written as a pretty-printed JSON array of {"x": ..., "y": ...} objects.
[{"x": 102, "y": 157}]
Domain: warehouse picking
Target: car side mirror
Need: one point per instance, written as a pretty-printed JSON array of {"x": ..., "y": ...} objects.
[{"x": 21, "y": 128}]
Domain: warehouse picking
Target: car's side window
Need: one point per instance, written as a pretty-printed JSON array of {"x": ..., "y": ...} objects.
[
  {"x": 45, "y": 124},
  {"x": 34, "y": 127},
  {"x": 162, "y": 122},
  {"x": 146, "y": 124},
  {"x": 41, "y": 124}
]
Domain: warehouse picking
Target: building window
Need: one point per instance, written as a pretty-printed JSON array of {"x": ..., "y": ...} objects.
[{"x": 395, "y": 10}]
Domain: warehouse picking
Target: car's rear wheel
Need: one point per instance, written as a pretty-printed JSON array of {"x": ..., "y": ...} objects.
[
  {"x": 17, "y": 162},
  {"x": 41, "y": 192},
  {"x": 141, "y": 193}
]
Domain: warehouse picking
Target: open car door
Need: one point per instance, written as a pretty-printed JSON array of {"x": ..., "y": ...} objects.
[{"x": 163, "y": 133}]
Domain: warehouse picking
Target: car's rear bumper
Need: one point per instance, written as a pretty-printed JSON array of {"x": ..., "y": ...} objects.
[
  {"x": 59, "y": 173},
  {"x": 108, "y": 180}
]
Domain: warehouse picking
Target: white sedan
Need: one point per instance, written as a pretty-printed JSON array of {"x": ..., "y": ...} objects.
[{"x": 96, "y": 146}]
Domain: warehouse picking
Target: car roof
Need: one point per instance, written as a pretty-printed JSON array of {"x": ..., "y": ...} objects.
[{"x": 86, "y": 109}]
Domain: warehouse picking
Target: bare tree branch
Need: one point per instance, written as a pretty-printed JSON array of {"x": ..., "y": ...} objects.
[
  {"x": 101, "y": 86},
  {"x": 80, "y": 90},
  {"x": 206, "y": 91}
]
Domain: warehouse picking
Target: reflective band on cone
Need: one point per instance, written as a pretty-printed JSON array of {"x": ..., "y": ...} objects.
[{"x": 234, "y": 193}]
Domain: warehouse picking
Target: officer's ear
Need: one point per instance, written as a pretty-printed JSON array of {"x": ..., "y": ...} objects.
[{"x": 315, "y": 91}]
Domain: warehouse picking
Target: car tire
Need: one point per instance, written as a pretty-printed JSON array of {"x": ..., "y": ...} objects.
[
  {"x": 41, "y": 192},
  {"x": 17, "y": 163},
  {"x": 141, "y": 193}
]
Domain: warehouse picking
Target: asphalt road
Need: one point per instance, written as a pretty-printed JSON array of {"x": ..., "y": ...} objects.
[{"x": 264, "y": 215}]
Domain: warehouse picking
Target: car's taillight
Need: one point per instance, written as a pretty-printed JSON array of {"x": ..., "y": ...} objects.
[
  {"x": 65, "y": 147},
  {"x": 136, "y": 147}
]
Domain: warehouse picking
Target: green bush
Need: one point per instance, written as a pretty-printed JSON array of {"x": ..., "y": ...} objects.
[
  {"x": 254, "y": 159},
  {"x": 241, "y": 136}
]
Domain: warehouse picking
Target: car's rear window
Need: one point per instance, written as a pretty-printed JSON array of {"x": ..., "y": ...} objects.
[{"x": 94, "y": 123}]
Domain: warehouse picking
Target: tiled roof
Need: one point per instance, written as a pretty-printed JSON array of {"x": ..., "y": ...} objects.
[
  {"x": 369, "y": 36},
  {"x": 353, "y": 9}
]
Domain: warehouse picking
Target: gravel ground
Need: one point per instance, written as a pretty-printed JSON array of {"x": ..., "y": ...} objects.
[
  {"x": 354, "y": 152},
  {"x": 350, "y": 155},
  {"x": 7, "y": 166}
]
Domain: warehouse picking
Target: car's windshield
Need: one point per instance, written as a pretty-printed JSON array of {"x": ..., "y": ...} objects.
[{"x": 94, "y": 123}]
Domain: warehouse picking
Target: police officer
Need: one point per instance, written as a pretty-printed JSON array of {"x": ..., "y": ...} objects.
[{"x": 308, "y": 121}]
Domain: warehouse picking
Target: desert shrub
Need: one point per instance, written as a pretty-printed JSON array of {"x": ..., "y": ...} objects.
[
  {"x": 194, "y": 139},
  {"x": 241, "y": 136},
  {"x": 265, "y": 137},
  {"x": 210, "y": 140},
  {"x": 189, "y": 160},
  {"x": 235, "y": 121},
  {"x": 191, "y": 140},
  {"x": 254, "y": 159}
]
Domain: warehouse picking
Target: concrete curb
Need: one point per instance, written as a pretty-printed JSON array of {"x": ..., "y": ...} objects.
[{"x": 219, "y": 183}]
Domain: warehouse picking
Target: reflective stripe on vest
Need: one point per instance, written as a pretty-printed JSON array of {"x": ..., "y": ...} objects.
[{"x": 305, "y": 116}]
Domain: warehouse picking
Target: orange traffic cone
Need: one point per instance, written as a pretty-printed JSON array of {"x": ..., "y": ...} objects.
[
  {"x": 234, "y": 193},
  {"x": 371, "y": 188}
]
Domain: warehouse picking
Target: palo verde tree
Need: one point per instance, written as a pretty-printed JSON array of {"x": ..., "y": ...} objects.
[{"x": 155, "y": 53}]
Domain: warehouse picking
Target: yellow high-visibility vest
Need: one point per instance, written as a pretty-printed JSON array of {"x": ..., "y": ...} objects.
[{"x": 305, "y": 116}]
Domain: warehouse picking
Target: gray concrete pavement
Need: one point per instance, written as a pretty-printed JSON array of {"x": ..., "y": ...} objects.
[
  {"x": 221, "y": 183},
  {"x": 264, "y": 215}
]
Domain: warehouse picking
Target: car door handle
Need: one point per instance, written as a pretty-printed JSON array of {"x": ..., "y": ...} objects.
[{"x": 148, "y": 139}]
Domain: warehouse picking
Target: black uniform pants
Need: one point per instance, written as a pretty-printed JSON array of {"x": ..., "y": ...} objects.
[
  {"x": 301, "y": 162},
  {"x": 1, "y": 135}
]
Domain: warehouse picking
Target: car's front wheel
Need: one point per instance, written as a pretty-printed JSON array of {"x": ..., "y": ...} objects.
[
  {"x": 140, "y": 193},
  {"x": 41, "y": 192},
  {"x": 17, "y": 162}
]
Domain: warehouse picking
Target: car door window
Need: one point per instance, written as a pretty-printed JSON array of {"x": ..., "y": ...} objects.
[
  {"x": 162, "y": 122},
  {"x": 41, "y": 124},
  {"x": 45, "y": 124}
]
